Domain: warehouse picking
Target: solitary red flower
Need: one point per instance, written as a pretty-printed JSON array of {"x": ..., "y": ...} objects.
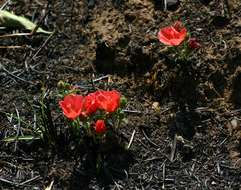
[
  {"x": 72, "y": 105},
  {"x": 100, "y": 127},
  {"x": 172, "y": 35},
  {"x": 193, "y": 43},
  {"x": 108, "y": 100},
  {"x": 90, "y": 104}
]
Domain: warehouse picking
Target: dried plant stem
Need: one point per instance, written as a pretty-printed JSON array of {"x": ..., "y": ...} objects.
[{"x": 132, "y": 138}]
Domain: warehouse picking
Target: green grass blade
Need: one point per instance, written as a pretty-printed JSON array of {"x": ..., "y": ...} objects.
[
  {"x": 22, "y": 138},
  {"x": 9, "y": 20}
]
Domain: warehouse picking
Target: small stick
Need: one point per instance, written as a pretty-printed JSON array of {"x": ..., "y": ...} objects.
[
  {"x": 35, "y": 120},
  {"x": 43, "y": 45},
  {"x": 15, "y": 35},
  {"x": 50, "y": 186},
  {"x": 101, "y": 78},
  {"x": 174, "y": 146},
  {"x": 131, "y": 140},
  {"x": 163, "y": 175},
  {"x": 5, "y": 4},
  {"x": 14, "y": 76},
  {"x": 165, "y": 5},
  {"x": 9, "y": 182},
  {"x": 132, "y": 111},
  {"x": 237, "y": 163},
  {"x": 30, "y": 180},
  {"x": 18, "y": 129},
  {"x": 153, "y": 159},
  {"x": 18, "y": 75},
  {"x": 218, "y": 168},
  {"x": 149, "y": 140},
  {"x": 117, "y": 185},
  {"x": 12, "y": 47},
  {"x": 3, "y": 163},
  {"x": 39, "y": 50}
]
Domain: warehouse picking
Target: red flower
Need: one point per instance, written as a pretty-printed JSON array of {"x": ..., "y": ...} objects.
[
  {"x": 72, "y": 105},
  {"x": 90, "y": 104},
  {"x": 108, "y": 100},
  {"x": 172, "y": 35},
  {"x": 100, "y": 127},
  {"x": 193, "y": 43}
]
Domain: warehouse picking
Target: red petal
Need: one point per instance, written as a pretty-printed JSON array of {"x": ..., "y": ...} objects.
[
  {"x": 108, "y": 100},
  {"x": 172, "y": 35},
  {"x": 90, "y": 104},
  {"x": 72, "y": 105}
]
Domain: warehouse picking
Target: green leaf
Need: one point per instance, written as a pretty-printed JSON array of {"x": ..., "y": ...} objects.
[
  {"x": 9, "y": 20},
  {"x": 23, "y": 138}
]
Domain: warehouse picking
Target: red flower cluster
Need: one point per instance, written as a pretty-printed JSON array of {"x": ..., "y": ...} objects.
[
  {"x": 173, "y": 35},
  {"x": 74, "y": 105}
]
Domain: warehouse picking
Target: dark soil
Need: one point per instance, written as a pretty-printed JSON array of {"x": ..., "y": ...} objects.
[{"x": 184, "y": 116}]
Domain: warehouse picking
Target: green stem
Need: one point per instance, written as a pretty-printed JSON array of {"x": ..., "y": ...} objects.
[{"x": 98, "y": 163}]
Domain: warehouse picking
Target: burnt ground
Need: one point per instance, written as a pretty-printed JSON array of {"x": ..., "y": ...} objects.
[{"x": 184, "y": 117}]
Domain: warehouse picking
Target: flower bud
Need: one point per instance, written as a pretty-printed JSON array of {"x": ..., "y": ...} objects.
[
  {"x": 193, "y": 43},
  {"x": 100, "y": 127}
]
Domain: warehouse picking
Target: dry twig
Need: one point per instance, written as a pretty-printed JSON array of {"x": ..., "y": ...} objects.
[{"x": 132, "y": 138}]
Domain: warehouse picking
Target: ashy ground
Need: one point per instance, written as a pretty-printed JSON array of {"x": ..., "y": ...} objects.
[{"x": 185, "y": 123}]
